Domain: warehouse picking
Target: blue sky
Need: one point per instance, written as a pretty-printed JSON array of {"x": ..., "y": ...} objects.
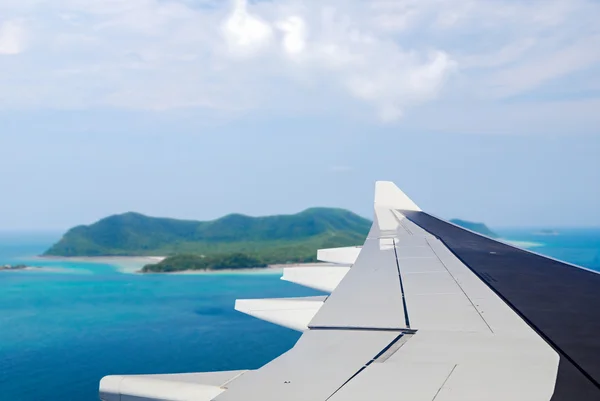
[{"x": 481, "y": 110}]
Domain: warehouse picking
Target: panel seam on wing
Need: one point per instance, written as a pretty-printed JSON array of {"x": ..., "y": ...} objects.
[
  {"x": 444, "y": 383},
  {"x": 406, "y": 318},
  {"x": 459, "y": 286},
  {"x": 387, "y": 347}
]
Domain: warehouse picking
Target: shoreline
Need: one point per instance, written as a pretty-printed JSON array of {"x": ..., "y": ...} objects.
[
  {"x": 523, "y": 244},
  {"x": 270, "y": 269},
  {"x": 124, "y": 264},
  {"x": 134, "y": 264},
  {"x": 245, "y": 270},
  {"x": 40, "y": 269}
]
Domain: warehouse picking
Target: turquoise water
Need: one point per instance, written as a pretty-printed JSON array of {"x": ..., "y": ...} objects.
[
  {"x": 60, "y": 332},
  {"x": 580, "y": 246}
]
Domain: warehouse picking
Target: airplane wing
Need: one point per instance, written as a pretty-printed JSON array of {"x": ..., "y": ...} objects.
[{"x": 424, "y": 311}]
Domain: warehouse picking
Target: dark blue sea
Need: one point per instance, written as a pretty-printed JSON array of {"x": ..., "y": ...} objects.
[{"x": 64, "y": 327}]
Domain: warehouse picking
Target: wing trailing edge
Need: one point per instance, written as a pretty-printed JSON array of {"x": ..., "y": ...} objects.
[
  {"x": 319, "y": 277},
  {"x": 293, "y": 313},
  {"x": 168, "y": 387},
  {"x": 345, "y": 255}
]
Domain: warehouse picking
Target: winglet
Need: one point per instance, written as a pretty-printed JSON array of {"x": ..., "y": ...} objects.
[{"x": 388, "y": 195}]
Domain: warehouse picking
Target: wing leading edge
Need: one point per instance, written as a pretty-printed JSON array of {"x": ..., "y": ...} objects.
[{"x": 427, "y": 311}]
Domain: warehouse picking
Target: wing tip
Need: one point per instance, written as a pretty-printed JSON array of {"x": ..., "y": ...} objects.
[{"x": 387, "y": 194}]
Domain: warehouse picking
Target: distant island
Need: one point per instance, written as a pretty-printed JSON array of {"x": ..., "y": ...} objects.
[
  {"x": 232, "y": 242},
  {"x": 15, "y": 267},
  {"x": 477, "y": 227},
  {"x": 199, "y": 262},
  {"x": 547, "y": 231}
]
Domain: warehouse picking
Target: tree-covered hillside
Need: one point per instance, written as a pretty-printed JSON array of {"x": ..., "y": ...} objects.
[
  {"x": 197, "y": 262},
  {"x": 276, "y": 238},
  {"x": 231, "y": 242}
]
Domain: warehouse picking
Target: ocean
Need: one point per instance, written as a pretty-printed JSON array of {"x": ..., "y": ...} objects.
[{"x": 64, "y": 328}]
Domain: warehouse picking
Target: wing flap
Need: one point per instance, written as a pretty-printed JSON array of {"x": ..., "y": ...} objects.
[
  {"x": 322, "y": 278},
  {"x": 169, "y": 387},
  {"x": 345, "y": 255},
  {"x": 293, "y": 313}
]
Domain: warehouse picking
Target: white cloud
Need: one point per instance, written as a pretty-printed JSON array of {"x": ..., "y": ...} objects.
[
  {"x": 382, "y": 56},
  {"x": 245, "y": 33},
  {"x": 537, "y": 70},
  {"x": 294, "y": 35},
  {"x": 12, "y": 37}
]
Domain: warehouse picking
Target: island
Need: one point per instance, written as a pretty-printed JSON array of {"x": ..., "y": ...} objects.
[
  {"x": 16, "y": 267},
  {"x": 180, "y": 263},
  {"x": 231, "y": 242},
  {"x": 234, "y": 241},
  {"x": 546, "y": 231}
]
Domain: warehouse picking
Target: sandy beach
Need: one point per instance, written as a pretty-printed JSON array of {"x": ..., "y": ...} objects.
[
  {"x": 133, "y": 264},
  {"x": 523, "y": 244},
  {"x": 271, "y": 269},
  {"x": 125, "y": 264}
]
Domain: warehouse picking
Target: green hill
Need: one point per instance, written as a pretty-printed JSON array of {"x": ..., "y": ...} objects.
[
  {"x": 233, "y": 241},
  {"x": 271, "y": 239},
  {"x": 477, "y": 227}
]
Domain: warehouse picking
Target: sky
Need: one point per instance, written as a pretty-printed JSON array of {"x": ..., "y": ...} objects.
[{"x": 482, "y": 110}]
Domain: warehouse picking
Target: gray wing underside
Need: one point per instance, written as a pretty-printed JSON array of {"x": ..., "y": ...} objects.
[{"x": 408, "y": 321}]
